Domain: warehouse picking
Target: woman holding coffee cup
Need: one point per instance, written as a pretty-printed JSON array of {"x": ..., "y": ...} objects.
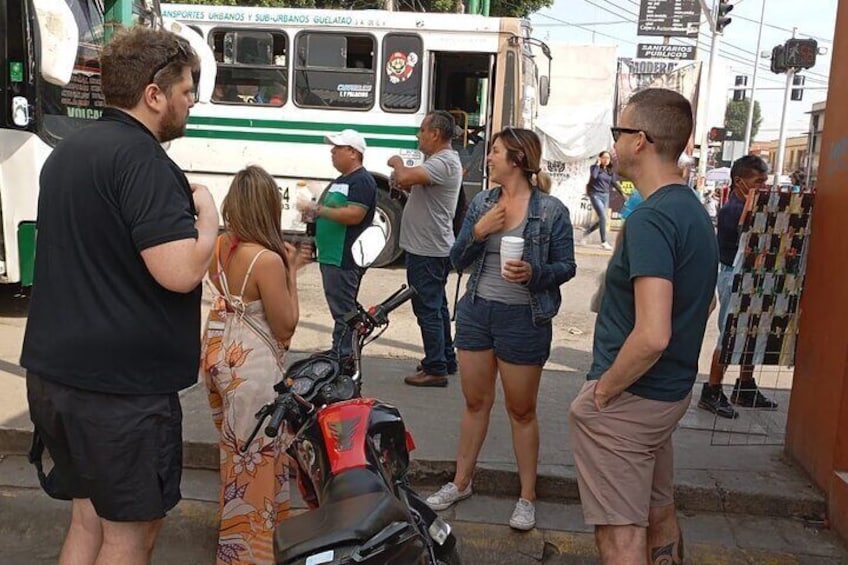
[{"x": 517, "y": 243}]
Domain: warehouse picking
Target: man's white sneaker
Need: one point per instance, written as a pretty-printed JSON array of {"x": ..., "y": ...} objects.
[
  {"x": 606, "y": 245},
  {"x": 447, "y": 495},
  {"x": 524, "y": 515}
]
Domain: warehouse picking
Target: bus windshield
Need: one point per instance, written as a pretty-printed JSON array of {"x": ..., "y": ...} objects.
[{"x": 66, "y": 108}]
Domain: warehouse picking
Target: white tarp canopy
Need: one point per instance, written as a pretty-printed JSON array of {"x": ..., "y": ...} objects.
[
  {"x": 578, "y": 140},
  {"x": 574, "y": 126}
]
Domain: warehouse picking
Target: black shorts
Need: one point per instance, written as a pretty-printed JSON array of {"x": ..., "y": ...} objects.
[{"x": 124, "y": 452}]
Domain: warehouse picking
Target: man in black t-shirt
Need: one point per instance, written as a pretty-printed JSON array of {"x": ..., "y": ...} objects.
[
  {"x": 346, "y": 209},
  {"x": 113, "y": 329},
  {"x": 748, "y": 173},
  {"x": 648, "y": 337}
]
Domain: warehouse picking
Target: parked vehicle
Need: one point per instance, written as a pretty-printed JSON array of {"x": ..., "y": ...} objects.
[
  {"x": 286, "y": 77},
  {"x": 352, "y": 456}
]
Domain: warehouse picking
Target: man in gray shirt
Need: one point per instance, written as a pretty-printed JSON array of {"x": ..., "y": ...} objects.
[{"x": 426, "y": 234}]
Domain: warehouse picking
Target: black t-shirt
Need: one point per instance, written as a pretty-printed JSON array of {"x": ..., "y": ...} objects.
[
  {"x": 98, "y": 320},
  {"x": 727, "y": 232},
  {"x": 334, "y": 240},
  {"x": 668, "y": 236}
]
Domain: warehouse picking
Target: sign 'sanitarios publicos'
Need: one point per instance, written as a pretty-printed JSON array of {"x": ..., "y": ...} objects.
[{"x": 660, "y": 51}]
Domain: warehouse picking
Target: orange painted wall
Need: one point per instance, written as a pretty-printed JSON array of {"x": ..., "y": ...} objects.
[{"x": 817, "y": 431}]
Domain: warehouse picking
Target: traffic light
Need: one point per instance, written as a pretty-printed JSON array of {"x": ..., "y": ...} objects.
[
  {"x": 801, "y": 53},
  {"x": 778, "y": 61},
  {"x": 797, "y": 93},
  {"x": 740, "y": 94},
  {"x": 717, "y": 134},
  {"x": 722, "y": 21}
]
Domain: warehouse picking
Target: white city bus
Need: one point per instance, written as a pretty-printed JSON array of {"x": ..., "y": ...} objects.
[
  {"x": 286, "y": 77},
  {"x": 378, "y": 72}
]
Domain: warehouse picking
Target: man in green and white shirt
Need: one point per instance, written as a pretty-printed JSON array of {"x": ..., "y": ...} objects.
[{"x": 345, "y": 210}]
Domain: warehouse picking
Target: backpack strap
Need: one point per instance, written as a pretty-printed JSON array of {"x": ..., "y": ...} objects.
[
  {"x": 49, "y": 482},
  {"x": 456, "y": 295}
]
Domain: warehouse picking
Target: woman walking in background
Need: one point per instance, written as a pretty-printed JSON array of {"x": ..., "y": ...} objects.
[
  {"x": 601, "y": 180},
  {"x": 245, "y": 341},
  {"x": 503, "y": 322}
]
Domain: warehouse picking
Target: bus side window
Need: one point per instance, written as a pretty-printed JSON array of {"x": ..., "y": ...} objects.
[
  {"x": 335, "y": 70},
  {"x": 252, "y": 67},
  {"x": 401, "y": 68}
]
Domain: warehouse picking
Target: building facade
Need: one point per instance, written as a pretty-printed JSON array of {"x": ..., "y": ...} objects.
[{"x": 815, "y": 141}]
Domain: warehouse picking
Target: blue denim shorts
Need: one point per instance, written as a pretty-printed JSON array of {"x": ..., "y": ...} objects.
[
  {"x": 505, "y": 328},
  {"x": 724, "y": 287}
]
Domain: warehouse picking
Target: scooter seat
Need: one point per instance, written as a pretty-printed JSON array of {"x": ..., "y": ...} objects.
[{"x": 336, "y": 523}]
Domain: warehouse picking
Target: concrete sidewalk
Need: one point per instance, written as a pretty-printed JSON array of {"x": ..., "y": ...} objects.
[{"x": 746, "y": 479}]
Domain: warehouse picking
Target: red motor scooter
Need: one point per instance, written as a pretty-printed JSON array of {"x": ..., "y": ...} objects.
[{"x": 352, "y": 455}]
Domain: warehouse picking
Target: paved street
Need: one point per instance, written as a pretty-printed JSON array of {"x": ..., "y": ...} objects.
[
  {"x": 740, "y": 504},
  {"x": 32, "y": 527}
]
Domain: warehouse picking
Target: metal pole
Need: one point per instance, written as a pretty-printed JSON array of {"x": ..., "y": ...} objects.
[
  {"x": 781, "y": 144},
  {"x": 705, "y": 135},
  {"x": 811, "y": 136},
  {"x": 749, "y": 125}
]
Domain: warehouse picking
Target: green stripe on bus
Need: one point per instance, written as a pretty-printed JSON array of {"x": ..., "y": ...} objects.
[
  {"x": 26, "y": 251},
  {"x": 244, "y": 122},
  {"x": 292, "y": 138}
]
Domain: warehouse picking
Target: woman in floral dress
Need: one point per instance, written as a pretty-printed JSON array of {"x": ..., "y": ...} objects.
[{"x": 247, "y": 334}]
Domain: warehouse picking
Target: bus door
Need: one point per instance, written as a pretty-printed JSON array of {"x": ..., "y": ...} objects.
[{"x": 461, "y": 83}]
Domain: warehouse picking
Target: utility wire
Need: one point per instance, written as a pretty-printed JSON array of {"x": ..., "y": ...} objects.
[
  {"x": 607, "y": 22},
  {"x": 812, "y": 75},
  {"x": 816, "y": 37},
  {"x": 581, "y": 26}
]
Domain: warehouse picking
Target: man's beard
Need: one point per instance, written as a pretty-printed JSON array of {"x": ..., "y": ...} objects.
[{"x": 172, "y": 126}]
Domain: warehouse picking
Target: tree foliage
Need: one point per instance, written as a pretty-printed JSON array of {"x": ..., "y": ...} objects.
[
  {"x": 515, "y": 8},
  {"x": 736, "y": 118}
]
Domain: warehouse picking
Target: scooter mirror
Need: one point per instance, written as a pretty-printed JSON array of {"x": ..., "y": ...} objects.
[{"x": 368, "y": 246}]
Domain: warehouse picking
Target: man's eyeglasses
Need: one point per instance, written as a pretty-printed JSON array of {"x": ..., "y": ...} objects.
[{"x": 616, "y": 133}]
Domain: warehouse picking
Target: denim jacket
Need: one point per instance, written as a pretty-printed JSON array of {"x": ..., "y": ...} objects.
[{"x": 548, "y": 247}]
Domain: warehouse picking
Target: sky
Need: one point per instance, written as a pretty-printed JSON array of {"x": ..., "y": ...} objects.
[{"x": 613, "y": 22}]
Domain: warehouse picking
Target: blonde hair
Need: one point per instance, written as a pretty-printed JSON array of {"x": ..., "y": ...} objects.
[
  {"x": 252, "y": 209},
  {"x": 524, "y": 148}
]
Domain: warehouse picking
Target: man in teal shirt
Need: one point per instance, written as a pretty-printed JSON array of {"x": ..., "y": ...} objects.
[
  {"x": 648, "y": 338},
  {"x": 345, "y": 210}
]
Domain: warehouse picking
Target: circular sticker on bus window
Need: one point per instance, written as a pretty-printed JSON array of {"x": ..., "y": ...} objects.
[{"x": 399, "y": 67}]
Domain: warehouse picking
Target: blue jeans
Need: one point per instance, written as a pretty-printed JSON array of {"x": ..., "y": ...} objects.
[
  {"x": 600, "y": 202},
  {"x": 428, "y": 275},
  {"x": 340, "y": 289},
  {"x": 507, "y": 329}
]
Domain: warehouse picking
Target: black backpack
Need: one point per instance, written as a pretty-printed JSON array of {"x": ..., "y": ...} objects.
[{"x": 461, "y": 210}]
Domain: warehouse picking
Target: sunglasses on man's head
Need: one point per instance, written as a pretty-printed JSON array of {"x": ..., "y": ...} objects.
[
  {"x": 182, "y": 50},
  {"x": 616, "y": 133}
]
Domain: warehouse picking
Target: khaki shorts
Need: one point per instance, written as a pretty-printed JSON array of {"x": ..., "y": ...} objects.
[{"x": 624, "y": 456}]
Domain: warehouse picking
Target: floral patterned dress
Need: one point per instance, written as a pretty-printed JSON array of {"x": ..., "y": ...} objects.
[{"x": 241, "y": 361}]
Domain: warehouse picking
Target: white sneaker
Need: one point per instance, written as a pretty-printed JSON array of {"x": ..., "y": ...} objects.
[
  {"x": 524, "y": 515},
  {"x": 447, "y": 495},
  {"x": 606, "y": 245}
]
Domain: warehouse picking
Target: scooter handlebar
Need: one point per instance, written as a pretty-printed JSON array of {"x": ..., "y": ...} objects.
[
  {"x": 277, "y": 416},
  {"x": 381, "y": 311}
]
